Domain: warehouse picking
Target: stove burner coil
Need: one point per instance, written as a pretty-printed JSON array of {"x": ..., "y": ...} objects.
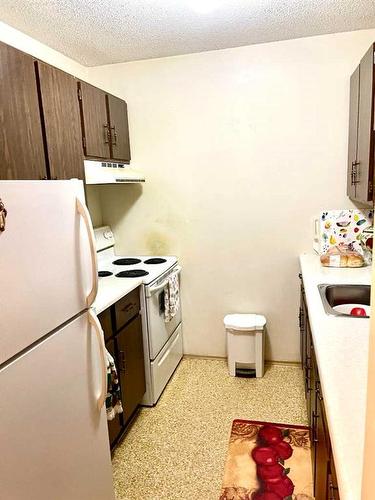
[
  {"x": 103, "y": 274},
  {"x": 126, "y": 262},
  {"x": 132, "y": 273},
  {"x": 155, "y": 260}
]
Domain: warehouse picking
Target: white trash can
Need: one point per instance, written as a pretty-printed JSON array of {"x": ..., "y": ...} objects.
[{"x": 245, "y": 343}]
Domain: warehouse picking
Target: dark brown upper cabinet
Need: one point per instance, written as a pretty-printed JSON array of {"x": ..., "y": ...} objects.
[
  {"x": 21, "y": 139},
  {"x": 95, "y": 126},
  {"x": 60, "y": 111},
  {"x": 119, "y": 127},
  {"x": 104, "y": 124},
  {"x": 361, "y": 131}
]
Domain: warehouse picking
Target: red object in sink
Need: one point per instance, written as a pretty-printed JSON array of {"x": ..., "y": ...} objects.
[{"x": 358, "y": 311}]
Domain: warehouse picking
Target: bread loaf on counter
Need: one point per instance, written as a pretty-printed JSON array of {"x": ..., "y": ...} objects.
[{"x": 341, "y": 256}]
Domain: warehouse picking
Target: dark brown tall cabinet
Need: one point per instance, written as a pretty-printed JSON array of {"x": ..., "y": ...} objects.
[
  {"x": 360, "y": 179},
  {"x": 104, "y": 124},
  {"x": 21, "y": 139},
  {"x": 60, "y": 113}
]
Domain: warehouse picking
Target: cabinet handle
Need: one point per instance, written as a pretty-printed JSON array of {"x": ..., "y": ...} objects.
[
  {"x": 331, "y": 488},
  {"x": 128, "y": 308},
  {"x": 355, "y": 173},
  {"x": 114, "y": 136},
  {"x": 314, "y": 433},
  {"x": 106, "y": 134},
  {"x": 318, "y": 394},
  {"x": 122, "y": 361},
  {"x": 301, "y": 320}
]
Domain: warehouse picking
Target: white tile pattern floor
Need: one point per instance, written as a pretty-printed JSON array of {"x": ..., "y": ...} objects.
[{"x": 177, "y": 450}]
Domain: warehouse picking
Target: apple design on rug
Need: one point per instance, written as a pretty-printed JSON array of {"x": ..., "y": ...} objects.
[
  {"x": 283, "y": 449},
  {"x": 266, "y": 472},
  {"x": 270, "y": 435},
  {"x": 264, "y": 455},
  {"x": 282, "y": 486}
]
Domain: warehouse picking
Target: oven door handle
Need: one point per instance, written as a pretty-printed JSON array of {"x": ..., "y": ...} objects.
[{"x": 150, "y": 291}]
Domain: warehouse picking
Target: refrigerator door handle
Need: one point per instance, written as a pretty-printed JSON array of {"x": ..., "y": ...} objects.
[
  {"x": 84, "y": 213},
  {"x": 103, "y": 358}
]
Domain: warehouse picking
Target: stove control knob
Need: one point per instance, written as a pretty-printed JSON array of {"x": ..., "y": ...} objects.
[{"x": 108, "y": 235}]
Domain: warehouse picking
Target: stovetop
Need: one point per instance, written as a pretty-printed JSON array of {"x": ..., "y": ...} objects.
[
  {"x": 115, "y": 267},
  {"x": 120, "y": 274}
]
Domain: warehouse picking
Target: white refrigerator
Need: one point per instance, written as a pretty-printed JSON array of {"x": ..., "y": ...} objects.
[{"x": 53, "y": 430}]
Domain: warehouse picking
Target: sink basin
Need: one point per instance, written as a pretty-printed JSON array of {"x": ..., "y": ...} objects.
[{"x": 341, "y": 295}]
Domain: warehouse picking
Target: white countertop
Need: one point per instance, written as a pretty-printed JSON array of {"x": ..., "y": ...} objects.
[
  {"x": 110, "y": 291},
  {"x": 341, "y": 347}
]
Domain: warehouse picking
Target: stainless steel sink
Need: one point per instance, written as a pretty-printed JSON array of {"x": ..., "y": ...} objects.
[{"x": 336, "y": 295}]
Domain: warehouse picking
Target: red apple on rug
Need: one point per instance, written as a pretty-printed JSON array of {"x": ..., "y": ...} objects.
[
  {"x": 270, "y": 434},
  {"x": 283, "y": 449},
  {"x": 264, "y": 455},
  {"x": 266, "y": 472},
  {"x": 283, "y": 486},
  {"x": 266, "y": 495}
]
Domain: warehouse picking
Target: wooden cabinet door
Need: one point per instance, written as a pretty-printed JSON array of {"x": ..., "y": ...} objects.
[
  {"x": 365, "y": 159},
  {"x": 131, "y": 366},
  {"x": 114, "y": 426},
  {"x": 302, "y": 324},
  {"x": 95, "y": 126},
  {"x": 21, "y": 140},
  {"x": 333, "y": 489},
  {"x": 308, "y": 373},
  {"x": 322, "y": 451},
  {"x": 353, "y": 133},
  {"x": 118, "y": 118},
  {"x": 313, "y": 413},
  {"x": 62, "y": 121}
]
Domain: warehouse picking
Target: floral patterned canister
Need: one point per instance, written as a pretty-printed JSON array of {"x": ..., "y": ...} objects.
[{"x": 342, "y": 226}]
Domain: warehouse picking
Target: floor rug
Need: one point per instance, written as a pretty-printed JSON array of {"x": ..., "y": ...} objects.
[{"x": 267, "y": 462}]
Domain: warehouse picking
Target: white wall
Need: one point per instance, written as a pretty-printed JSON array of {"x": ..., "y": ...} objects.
[
  {"x": 23, "y": 42},
  {"x": 241, "y": 147}
]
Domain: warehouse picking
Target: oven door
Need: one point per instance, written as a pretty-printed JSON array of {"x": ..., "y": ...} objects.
[{"x": 158, "y": 330}]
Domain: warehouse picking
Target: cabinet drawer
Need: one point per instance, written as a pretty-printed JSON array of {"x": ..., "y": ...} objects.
[
  {"x": 164, "y": 365},
  {"x": 106, "y": 323},
  {"x": 127, "y": 308}
]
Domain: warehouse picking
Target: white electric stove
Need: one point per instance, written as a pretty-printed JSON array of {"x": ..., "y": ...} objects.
[{"x": 118, "y": 275}]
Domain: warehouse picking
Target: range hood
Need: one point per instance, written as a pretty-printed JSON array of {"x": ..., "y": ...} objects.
[{"x": 105, "y": 172}]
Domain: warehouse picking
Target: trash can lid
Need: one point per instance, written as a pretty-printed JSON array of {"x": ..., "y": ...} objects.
[{"x": 244, "y": 321}]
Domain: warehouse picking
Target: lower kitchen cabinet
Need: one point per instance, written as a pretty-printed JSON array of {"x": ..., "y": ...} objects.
[
  {"x": 123, "y": 335},
  {"x": 131, "y": 366},
  {"x": 324, "y": 476}
]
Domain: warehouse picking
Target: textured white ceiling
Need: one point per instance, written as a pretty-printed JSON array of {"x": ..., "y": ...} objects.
[{"x": 96, "y": 32}]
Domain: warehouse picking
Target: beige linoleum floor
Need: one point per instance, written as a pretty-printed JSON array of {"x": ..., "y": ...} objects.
[{"x": 177, "y": 450}]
